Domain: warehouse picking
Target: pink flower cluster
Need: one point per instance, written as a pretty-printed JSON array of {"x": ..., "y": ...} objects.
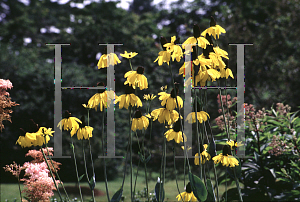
[
  {"x": 5, "y": 102},
  {"x": 229, "y": 118},
  {"x": 38, "y": 184},
  {"x": 4, "y": 85}
]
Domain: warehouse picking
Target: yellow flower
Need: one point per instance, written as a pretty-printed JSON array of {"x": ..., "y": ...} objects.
[
  {"x": 187, "y": 195},
  {"x": 35, "y": 139},
  {"x": 129, "y": 55},
  {"x": 226, "y": 73},
  {"x": 201, "y": 116},
  {"x": 225, "y": 158},
  {"x": 129, "y": 98},
  {"x": 205, "y": 156},
  {"x": 149, "y": 97},
  {"x": 202, "y": 42},
  {"x": 233, "y": 143},
  {"x": 42, "y": 134},
  {"x": 23, "y": 141},
  {"x": 100, "y": 99},
  {"x": 175, "y": 133},
  {"x": 164, "y": 115},
  {"x": 189, "y": 148},
  {"x": 136, "y": 78},
  {"x": 174, "y": 49},
  {"x": 139, "y": 122},
  {"x": 170, "y": 100},
  {"x": 214, "y": 29},
  {"x": 68, "y": 122},
  {"x": 83, "y": 131},
  {"x": 111, "y": 58},
  {"x": 163, "y": 56}
]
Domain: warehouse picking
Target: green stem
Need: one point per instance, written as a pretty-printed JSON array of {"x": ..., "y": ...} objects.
[
  {"x": 223, "y": 112},
  {"x": 130, "y": 135},
  {"x": 86, "y": 172},
  {"x": 130, "y": 64},
  {"x": 74, "y": 157},
  {"x": 19, "y": 188},
  {"x": 51, "y": 174},
  {"x": 176, "y": 171},
  {"x": 57, "y": 173},
  {"x": 104, "y": 162},
  {"x": 238, "y": 186},
  {"x": 185, "y": 153}
]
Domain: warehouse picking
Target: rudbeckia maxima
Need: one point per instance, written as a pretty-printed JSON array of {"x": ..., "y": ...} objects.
[
  {"x": 102, "y": 98},
  {"x": 202, "y": 42},
  {"x": 214, "y": 29},
  {"x": 136, "y": 79},
  {"x": 169, "y": 99},
  {"x": 129, "y": 55},
  {"x": 164, "y": 115},
  {"x": 106, "y": 60},
  {"x": 175, "y": 133},
  {"x": 68, "y": 122},
  {"x": 201, "y": 115},
  {"x": 139, "y": 122},
  {"x": 188, "y": 195},
  {"x": 83, "y": 131},
  {"x": 163, "y": 56},
  {"x": 226, "y": 158},
  {"x": 204, "y": 154},
  {"x": 129, "y": 98},
  {"x": 174, "y": 49}
]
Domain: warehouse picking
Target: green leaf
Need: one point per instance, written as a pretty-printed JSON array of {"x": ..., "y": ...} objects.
[
  {"x": 293, "y": 117},
  {"x": 142, "y": 158},
  {"x": 211, "y": 195},
  {"x": 198, "y": 187},
  {"x": 80, "y": 178},
  {"x": 117, "y": 196},
  {"x": 276, "y": 123},
  {"x": 212, "y": 149},
  {"x": 157, "y": 191},
  {"x": 92, "y": 183},
  {"x": 148, "y": 158}
]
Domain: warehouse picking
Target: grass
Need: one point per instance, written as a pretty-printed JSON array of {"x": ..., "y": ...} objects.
[{"x": 10, "y": 191}]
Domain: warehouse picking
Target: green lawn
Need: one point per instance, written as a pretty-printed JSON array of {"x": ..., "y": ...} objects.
[{"x": 10, "y": 191}]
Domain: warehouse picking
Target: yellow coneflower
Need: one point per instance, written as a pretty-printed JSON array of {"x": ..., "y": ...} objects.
[
  {"x": 111, "y": 58},
  {"x": 164, "y": 115},
  {"x": 129, "y": 98},
  {"x": 175, "y": 133},
  {"x": 41, "y": 135},
  {"x": 188, "y": 195},
  {"x": 170, "y": 99},
  {"x": 202, "y": 42},
  {"x": 174, "y": 49},
  {"x": 163, "y": 56},
  {"x": 83, "y": 131},
  {"x": 214, "y": 29},
  {"x": 100, "y": 98},
  {"x": 226, "y": 158},
  {"x": 129, "y": 55},
  {"x": 234, "y": 143},
  {"x": 149, "y": 97},
  {"x": 139, "y": 122},
  {"x": 136, "y": 78},
  {"x": 68, "y": 122},
  {"x": 25, "y": 140},
  {"x": 201, "y": 115},
  {"x": 204, "y": 154},
  {"x": 226, "y": 73},
  {"x": 205, "y": 74}
]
